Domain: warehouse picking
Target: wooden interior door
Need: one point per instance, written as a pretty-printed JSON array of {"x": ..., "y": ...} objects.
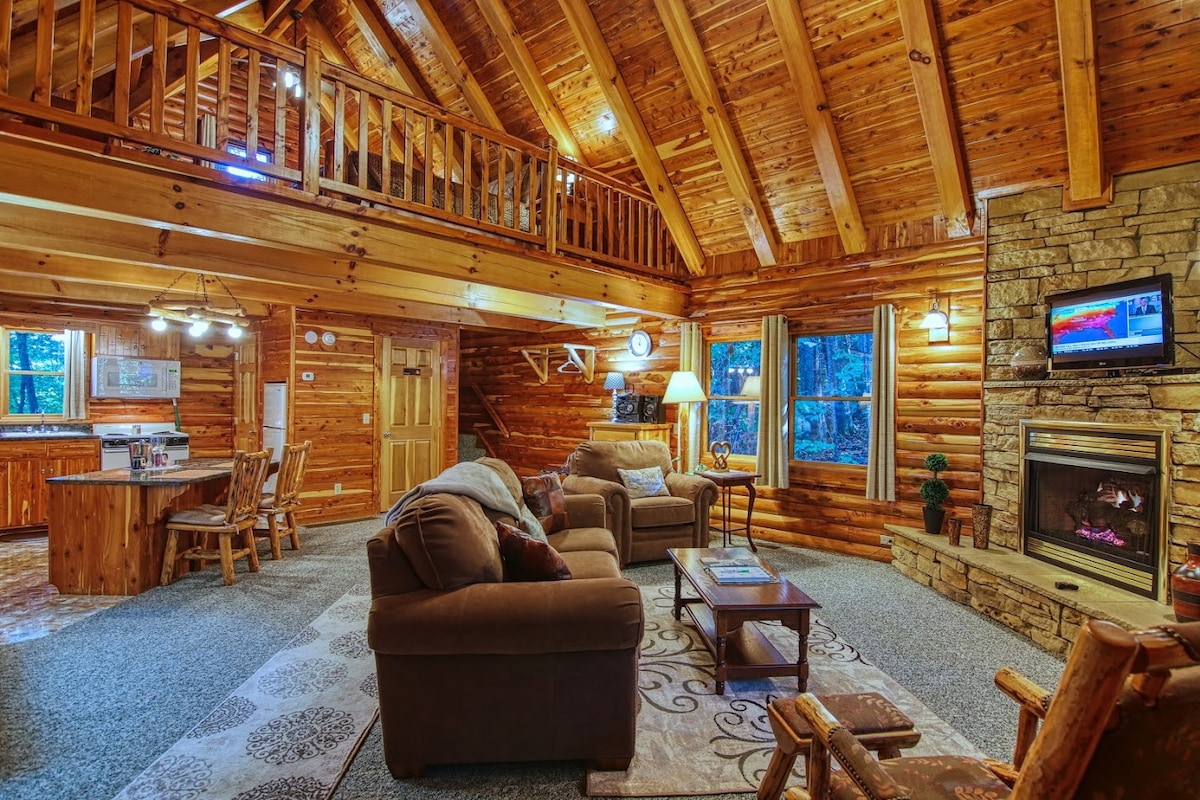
[
  {"x": 246, "y": 434},
  {"x": 410, "y": 416}
]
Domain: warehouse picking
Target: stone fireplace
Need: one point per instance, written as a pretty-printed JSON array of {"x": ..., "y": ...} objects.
[{"x": 1093, "y": 500}]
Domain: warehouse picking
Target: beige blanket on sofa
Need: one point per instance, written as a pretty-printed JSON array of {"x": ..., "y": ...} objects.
[{"x": 478, "y": 482}]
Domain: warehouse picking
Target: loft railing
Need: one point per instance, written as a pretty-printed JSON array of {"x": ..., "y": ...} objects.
[{"x": 156, "y": 75}]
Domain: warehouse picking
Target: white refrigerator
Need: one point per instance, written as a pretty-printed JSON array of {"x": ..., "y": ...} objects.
[{"x": 274, "y": 422}]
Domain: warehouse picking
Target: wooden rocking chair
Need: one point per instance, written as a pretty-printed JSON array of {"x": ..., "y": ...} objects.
[
  {"x": 1124, "y": 722},
  {"x": 235, "y": 519}
]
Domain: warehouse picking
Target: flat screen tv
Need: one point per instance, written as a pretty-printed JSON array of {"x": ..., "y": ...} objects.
[{"x": 1121, "y": 325}]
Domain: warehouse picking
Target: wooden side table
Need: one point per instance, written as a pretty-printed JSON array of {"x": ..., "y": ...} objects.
[{"x": 725, "y": 482}]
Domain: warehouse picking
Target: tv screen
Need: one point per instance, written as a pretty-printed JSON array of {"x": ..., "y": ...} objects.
[{"x": 1127, "y": 324}]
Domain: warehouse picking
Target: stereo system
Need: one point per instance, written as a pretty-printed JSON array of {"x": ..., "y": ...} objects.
[{"x": 630, "y": 407}]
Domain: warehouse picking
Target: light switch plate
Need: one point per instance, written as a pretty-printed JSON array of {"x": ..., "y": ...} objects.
[{"x": 366, "y": 419}]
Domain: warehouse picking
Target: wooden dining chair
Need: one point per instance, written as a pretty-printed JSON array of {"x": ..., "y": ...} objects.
[
  {"x": 284, "y": 501},
  {"x": 235, "y": 519}
]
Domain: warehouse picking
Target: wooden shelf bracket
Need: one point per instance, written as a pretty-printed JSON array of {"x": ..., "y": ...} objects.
[{"x": 581, "y": 359}]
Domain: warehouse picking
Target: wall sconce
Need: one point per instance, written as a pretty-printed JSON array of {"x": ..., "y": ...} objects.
[
  {"x": 937, "y": 322},
  {"x": 198, "y": 311},
  {"x": 614, "y": 382}
]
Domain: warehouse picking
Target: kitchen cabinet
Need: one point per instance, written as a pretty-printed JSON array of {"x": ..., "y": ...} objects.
[{"x": 24, "y": 467}]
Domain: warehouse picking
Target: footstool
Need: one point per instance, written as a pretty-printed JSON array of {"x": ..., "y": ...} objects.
[{"x": 871, "y": 717}]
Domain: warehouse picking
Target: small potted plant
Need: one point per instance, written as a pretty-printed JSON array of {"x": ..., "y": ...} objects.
[{"x": 934, "y": 492}]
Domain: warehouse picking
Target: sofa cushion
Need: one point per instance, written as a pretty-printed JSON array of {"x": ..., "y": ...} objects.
[
  {"x": 544, "y": 497},
  {"x": 449, "y": 541},
  {"x": 645, "y": 482},
  {"x": 527, "y": 559},
  {"x": 590, "y": 564},
  {"x": 657, "y": 512},
  {"x": 574, "y": 540},
  {"x": 601, "y": 459}
]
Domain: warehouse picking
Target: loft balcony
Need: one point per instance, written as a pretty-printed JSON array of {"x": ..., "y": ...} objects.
[{"x": 156, "y": 82}]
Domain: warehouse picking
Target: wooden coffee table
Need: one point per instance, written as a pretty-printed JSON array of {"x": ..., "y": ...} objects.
[{"x": 720, "y": 611}]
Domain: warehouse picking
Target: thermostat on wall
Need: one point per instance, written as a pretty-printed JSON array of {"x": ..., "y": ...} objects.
[{"x": 308, "y": 376}]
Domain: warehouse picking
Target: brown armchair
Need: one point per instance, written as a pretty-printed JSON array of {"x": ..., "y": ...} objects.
[
  {"x": 1124, "y": 722},
  {"x": 647, "y": 527}
]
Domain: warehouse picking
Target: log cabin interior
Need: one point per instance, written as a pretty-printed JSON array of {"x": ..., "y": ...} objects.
[{"x": 472, "y": 226}]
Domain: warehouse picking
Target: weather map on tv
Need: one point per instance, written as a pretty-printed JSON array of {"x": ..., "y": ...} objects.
[{"x": 1099, "y": 326}]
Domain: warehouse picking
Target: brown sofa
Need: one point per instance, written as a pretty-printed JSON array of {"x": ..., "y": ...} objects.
[
  {"x": 475, "y": 669},
  {"x": 645, "y": 527}
]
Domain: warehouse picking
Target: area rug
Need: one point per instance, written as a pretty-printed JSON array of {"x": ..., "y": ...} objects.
[
  {"x": 289, "y": 731},
  {"x": 691, "y": 741}
]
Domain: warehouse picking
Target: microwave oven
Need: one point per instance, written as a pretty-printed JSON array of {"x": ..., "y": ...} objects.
[{"x": 116, "y": 376}]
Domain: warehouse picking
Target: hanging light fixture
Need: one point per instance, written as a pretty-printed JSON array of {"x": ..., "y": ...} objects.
[{"x": 197, "y": 311}]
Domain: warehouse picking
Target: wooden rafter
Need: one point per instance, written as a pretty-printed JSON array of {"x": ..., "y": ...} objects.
[
  {"x": 690, "y": 53},
  {"x": 1089, "y": 184},
  {"x": 452, "y": 61},
  {"x": 937, "y": 114},
  {"x": 378, "y": 36},
  {"x": 525, "y": 68},
  {"x": 806, "y": 78},
  {"x": 633, "y": 129}
]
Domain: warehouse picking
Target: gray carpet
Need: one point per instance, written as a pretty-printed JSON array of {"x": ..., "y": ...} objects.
[{"x": 83, "y": 711}]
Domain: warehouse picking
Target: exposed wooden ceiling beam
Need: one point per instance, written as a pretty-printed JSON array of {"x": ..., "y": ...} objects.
[
  {"x": 633, "y": 129},
  {"x": 86, "y": 279},
  {"x": 277, "y": 13},
  {"x": 937, "y": 114},
  {"x": 525, "y": 68},
  {"x": 295, "y": 241},
  {"x": 378, "y": 36},
  {"x": 690, "y": 53},
  {"x": 452, "y": 61},
  {"x": 806, "y": 78},
  {"x": 1089, "y": 184}
]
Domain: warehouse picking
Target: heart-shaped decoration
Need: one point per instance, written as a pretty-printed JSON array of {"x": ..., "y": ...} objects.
[{"x": 720, "y": 453}]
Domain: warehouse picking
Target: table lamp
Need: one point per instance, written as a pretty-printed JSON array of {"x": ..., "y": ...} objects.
[{"x": 683, "y": 389}]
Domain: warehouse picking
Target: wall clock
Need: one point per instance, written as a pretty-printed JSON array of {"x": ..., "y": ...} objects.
[{"x": 640, "y": 344}]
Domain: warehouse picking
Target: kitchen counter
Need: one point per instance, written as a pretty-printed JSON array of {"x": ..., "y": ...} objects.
[
  {"x": 194, "y": 470},
  {"x": 108, "y": 528}
]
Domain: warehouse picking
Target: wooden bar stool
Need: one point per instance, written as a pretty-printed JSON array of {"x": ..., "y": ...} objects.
[
  {"x": 871, "y": 717},
  {"x": 235, "y": 519},
  {"x": 286, "y": 497}
]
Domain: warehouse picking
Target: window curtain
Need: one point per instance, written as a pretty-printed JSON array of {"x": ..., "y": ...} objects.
[
  {"x": 772, "y": 461},
  {"x": 75, "y": 376},
  {"x": 881, "y": 458},
  {"x": 691, "y": 357}
]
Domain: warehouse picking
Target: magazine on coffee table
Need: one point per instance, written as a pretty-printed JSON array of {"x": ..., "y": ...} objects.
[{"x": 740, "y": 573}]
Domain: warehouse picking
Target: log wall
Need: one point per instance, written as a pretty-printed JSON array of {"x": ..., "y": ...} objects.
[{"x": 939, "y": 385}]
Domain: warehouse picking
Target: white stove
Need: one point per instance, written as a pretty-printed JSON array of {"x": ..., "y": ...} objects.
[{"x": 115, "y": 438}]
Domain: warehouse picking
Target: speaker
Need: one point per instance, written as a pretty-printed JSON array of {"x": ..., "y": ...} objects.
[
  {"x": 625, "y": 408},
  {"x": 651, "y": 408}
]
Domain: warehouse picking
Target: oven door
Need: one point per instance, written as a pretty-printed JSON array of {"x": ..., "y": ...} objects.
[{"x": 114, "y": 456}]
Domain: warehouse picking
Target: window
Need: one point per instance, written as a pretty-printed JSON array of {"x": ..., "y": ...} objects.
[
  {"x": 831, "y": 408},
  {"x": 33, "y": 374},
  {"x": 242, "y": 172},
  {"x": 731, "y": 417}
]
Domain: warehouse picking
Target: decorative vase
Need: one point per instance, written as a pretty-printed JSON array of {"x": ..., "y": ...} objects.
[
  {"x": 1185, "y": 586},
  {"x": 954, "y": 531},
  {"x": 981, "y": 520},
  {"x": 1029, "y": 363},
  {"x": 933, "y": 519}
]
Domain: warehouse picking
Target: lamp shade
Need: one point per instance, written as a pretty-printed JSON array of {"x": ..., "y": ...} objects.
[
  {"x": 936, "y": 318},
  {"x": 614, "y": 382},
  {"x": 752, "y": 388},
  {"x": 684, "y": 388}
]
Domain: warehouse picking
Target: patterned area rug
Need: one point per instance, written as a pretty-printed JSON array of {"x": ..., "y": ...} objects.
[
  {"x": 290, "y": 730},
  {"x": 691, "y": 741}
]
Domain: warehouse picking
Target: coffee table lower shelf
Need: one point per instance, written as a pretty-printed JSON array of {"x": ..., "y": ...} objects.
[{"x": 748, "y": 653}]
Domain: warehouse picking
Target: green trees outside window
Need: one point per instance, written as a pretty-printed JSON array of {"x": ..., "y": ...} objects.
[
  {"x": 831, "y": 402},
  {"x": 731, "y": 418},
  {"x": 34, "y": 372}
]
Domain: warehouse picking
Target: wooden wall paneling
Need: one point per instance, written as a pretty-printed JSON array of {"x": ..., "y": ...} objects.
[{"x": 206, "y": 398}]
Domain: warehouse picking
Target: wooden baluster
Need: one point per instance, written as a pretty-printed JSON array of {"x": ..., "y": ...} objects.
[
  {"x": 123, "y": 64},
  {"x": 408, "y": 155},
  {"x": 224, "y": 78},
  {"x": 158, "y": 78},
  {"x": 501, "y": 189},
  {"x": 364, "y": 143},
  {"x": 279, "y": 153},
  {"x": 310, "y": 149},
  {"x": 43, "y": 69},
  {"x": 339, "y": 137},
  {"x": 253, "y": 89},
  {"x": 485, "y": 184},
  {"x": 6, "y": 19},
  {"x": 85, "y": 64},
  {"x": 468, "y": 176},
  {"x": 385, "y": 144},
  {"x": 550, "y": 200},
  {"x": 191, "y": 85},
  {"x": 428, "y": 143}
]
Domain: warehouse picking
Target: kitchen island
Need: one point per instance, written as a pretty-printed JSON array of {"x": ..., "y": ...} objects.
[{"x": 108, "y": 528}]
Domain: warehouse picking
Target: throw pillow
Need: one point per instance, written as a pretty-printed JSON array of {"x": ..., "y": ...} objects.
[
  {"x": 545, "y": 498},
  {"x": 527, "y": 559},
  {"x": 648, "y": 482}
]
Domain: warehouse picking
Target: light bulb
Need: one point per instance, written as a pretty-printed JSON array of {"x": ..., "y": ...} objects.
[
  {"x": 159, "y": 324},
  {"x": 198, "y": 327},
  {"x": 235, "y": 332}
]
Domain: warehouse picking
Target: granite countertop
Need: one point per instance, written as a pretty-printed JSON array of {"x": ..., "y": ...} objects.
[
  {"x": 193, "y": 470},
  {"x": 17, "y": 433}
]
